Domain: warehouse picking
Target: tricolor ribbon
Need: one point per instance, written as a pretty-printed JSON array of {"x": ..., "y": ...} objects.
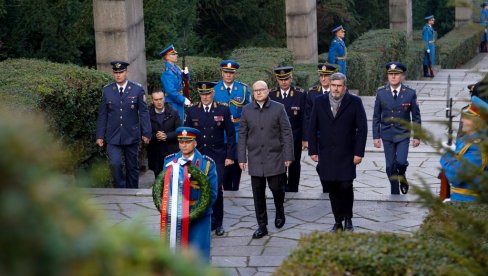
[{"x": 175, "y": 205}]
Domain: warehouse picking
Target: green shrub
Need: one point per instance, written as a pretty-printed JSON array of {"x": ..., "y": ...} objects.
[
  {"x": 50, "y": 227},
  {"x": 459, "y": 45},
  {"x": 67, "y": 95}
]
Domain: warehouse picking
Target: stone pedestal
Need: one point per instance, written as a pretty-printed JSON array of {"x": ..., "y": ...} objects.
[
  {"x": 401, "y": 16},
  {"x": 119, "y": 35},
  {"x": 463, "y": 15},
  {"x": 301, "y": 30}
]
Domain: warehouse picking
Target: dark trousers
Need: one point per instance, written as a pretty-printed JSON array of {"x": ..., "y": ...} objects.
[
  {"x": 341, "y": 197},
  {"x": 396, "y": 154},
  {"x": 325, "y": 189},
  {"x": 293, "y": 179},
  {"x": 218, "y": 206},
  {"x": 232, "y": 177},
  {"x": 277, "y": 187},
  {"x": 117, "y": 154}
]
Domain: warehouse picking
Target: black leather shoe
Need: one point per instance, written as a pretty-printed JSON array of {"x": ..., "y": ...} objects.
[
  {"x": 348, "y": 225},
  {"x": 280, "y": 221},
  {"x": 219, "y": 231},
  {"x": 261, "y": 232},
  {"x": 403, "y": 185},
  {"x": 337, "y": 227}
]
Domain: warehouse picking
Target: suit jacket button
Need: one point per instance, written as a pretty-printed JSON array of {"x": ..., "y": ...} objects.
[{"x": 120, "y": 124}]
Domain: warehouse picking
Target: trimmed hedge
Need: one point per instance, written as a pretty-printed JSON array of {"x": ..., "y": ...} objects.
[
  {"x": 430, "y": 251},
  {"x": 68, "y": 97},
  {"x": 459, "y": 45}
]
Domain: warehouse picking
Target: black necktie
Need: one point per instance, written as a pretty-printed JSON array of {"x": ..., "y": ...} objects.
[
  {"x": 121, "y": 89},
  {"x": 228, "y": 90},
  {"x": 206, "y": 109},
  {"x": 394, "y": 94},
  {"x": 285, "y": 95}
]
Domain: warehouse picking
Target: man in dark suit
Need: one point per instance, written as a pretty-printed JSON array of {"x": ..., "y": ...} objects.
[
  {"x": 214, "y": 122},
  {"x": 340, "y": 119},
  {"x": 266, "y": 144},
  {"x": 293, "y": 98},
  {"x": 325, "y": 71},
  {"x": 164, "y": 122},
  {"x": 123, "y": 119},
  {"x": 395, "y": 103}
]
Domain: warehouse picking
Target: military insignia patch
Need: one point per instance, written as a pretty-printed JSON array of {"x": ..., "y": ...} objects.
[
  {"x": 204, "y": 86},
  {"x": 282, "y": 72}
]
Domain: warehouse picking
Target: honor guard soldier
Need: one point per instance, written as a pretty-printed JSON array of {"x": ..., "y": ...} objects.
[
  {"x": 484, "y": 23},
  {"x": 199, "y": 237},
  {"x": 213, "y": 120},
  {"x": 323, "y": 87},
  {"x": 395, "y": 102},
  {"x": 293, "y": 98},
  {"x": 337, "y": 49},
  {"x": 122, "y": 118},
  {"x": 172, "y": 81},
  {"x": 428, "y": 36},
  {"x": 236, "y": 94}
]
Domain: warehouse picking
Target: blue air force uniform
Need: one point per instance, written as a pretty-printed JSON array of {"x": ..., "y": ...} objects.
[
  {"x": 199, "y": 230},
  {"x": 123, "y": 117},
  {"x": 389, "y": 108},
  {"x": 484, "y": 20},
  {"x": 237, "y": 96},
  {"x": 295, "y": 109},
  {"x": 215, "y": 126},
  {"x": 428, "y": 36},
  {"x": 338, "y": 51},
  {"x": 172, "y": 84}
]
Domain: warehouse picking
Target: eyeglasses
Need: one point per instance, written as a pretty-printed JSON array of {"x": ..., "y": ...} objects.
[{"x": 260, "y": 90}]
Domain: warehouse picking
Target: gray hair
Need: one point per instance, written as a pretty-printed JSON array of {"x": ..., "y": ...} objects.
[{"x": 338, "y": 76}]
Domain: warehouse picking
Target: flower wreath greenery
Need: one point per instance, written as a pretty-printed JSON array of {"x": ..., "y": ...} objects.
[{"x": 197, "y": 178}]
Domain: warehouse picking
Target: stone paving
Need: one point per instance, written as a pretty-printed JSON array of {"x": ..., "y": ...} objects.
[{"x": 309, "y": 210}]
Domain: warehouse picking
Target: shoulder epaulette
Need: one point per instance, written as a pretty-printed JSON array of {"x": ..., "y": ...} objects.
[
  {"x": 208, "y": 158},
  {"x": 242, "y": 83},
  {"x": 194, "y": 104},
  {"x": 136, "y": 83},
  {"x": 108, "y": 84},
  {"x": 382, "y": 87},
  {"x": 298, "y": 89},
  {"x": 170, "y": 156}
]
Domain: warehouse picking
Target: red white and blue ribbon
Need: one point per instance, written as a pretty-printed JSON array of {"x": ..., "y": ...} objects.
[{"x": 175, "y": 205}]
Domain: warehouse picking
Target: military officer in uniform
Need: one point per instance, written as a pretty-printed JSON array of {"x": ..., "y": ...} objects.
[
  {"x": 395, "y": 101},
  {"x": 236, "y": 94},
  {"x": 123, "y": 119},
  {"x": 172, "y": 81},
  {"x": 428, "y": 36},
  {"x": 214, "y": 122},
  {"x": 337, "y": 49},
  {"x": 484, "y": 23},
  {"x": 323, "y": 87},
  {"x": 199, "y": 237},
  {"x": 293, "y": 98}
]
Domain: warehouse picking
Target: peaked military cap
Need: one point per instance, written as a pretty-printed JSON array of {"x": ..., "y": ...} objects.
[
  {"x": 429, "y": 17},
  {"x": 337, "y": 29},
  {"x": 119, "y": 66},
  {"x": 395, "y": 67},
  {"x": 168, "y": 50},
  {"x": 205, "y": 87},
  {"x": 283, "y": 73},
  {"x": 326, "y": 69},
  {"x": 187, "y": 133},
  {"x": 477, "y": 108},
  {"x": 229, "y": 65}
]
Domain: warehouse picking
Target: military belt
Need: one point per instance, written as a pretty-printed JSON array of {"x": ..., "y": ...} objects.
[
  {"x": 431, "y": 41},
  {"x": 463, "y": 191},
  {"x": 341, "y": 58},
  {"x": 236, "y": 120}
]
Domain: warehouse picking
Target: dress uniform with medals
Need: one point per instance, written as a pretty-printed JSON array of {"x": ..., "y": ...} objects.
[
  {"x": 237, "y": 95},
  {"x": 390, "y": 106},
  {"x": 294, "y": 102},
  {"x": 123, "y": 117},
  {"x": 338, "y": 50},
  {"x": 215, "y": 125},
  {"x": 199, "y": 236},
  {"x": 312, "y": 94},
  {"x": 428, "y": 36},
  {"x": 172, "y": 83},
  {"x": 468, "y": 156}
]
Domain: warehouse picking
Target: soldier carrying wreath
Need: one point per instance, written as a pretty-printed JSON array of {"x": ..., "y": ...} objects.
[{"x": 184, "y": 193}]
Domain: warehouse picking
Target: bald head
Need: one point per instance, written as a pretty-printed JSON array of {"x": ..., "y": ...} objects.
[{"x": 260, "y": 91}]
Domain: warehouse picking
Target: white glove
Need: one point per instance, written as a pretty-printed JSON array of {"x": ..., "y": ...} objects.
[
  {"x": 446, "y": 146},
  {"x": 185, "y": 71},
  {"x": 428, "y": 51},
  {"x": 187, "y": 101}
]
